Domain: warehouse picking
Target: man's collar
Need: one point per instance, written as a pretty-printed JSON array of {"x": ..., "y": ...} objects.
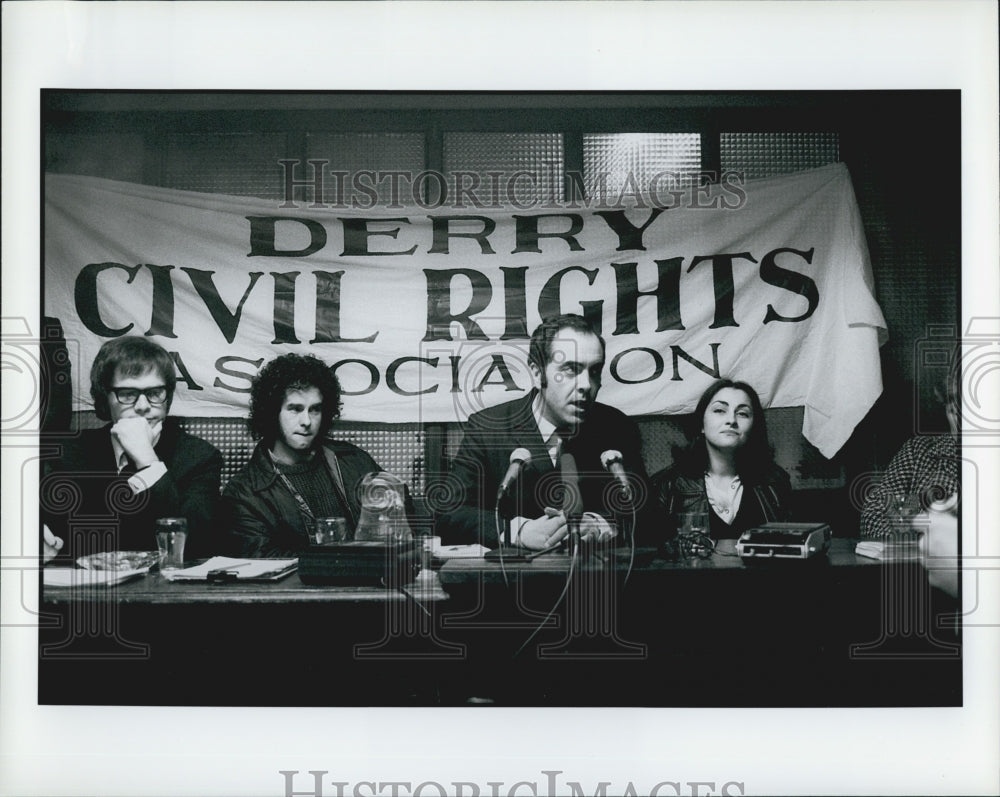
[
  {"x": 311, "y": 455},
  {"x": 545, "y": 426}
]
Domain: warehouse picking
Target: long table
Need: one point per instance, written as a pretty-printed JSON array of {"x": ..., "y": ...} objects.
[{"x": 619, "y": 628}]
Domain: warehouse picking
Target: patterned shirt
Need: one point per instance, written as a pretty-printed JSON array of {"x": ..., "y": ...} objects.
[{"x": 924, "y": 471}]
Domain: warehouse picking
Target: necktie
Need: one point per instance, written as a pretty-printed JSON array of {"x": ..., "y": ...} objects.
[
  {"x": 555, "y": 446},
  {"x": 570, "y": 478}
]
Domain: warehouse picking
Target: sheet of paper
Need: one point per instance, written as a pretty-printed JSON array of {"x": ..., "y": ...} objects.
[
  {"x": 243, "y": 568},
  {"x": 474, "y": 551}
]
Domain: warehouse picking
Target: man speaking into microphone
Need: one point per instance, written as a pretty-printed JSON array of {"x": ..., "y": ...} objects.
[{"x": 536, "y": 462}]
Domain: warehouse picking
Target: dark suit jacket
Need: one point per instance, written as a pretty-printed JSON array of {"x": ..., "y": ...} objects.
[
  {"x": 86, "y": 502},
  {"x": 484, "y": 456}
]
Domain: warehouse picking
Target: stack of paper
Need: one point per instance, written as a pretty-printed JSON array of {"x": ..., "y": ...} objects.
[{"x": 889, "y": 550}]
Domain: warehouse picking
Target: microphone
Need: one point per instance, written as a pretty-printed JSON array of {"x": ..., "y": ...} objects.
[
  {"x": 612, "y": 462},
  {"x": 519, "y": 457},
  {"x": 572, "y": 500}
]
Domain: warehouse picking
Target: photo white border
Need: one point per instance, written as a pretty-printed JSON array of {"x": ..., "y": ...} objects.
[{"x": 594, "y": 46}]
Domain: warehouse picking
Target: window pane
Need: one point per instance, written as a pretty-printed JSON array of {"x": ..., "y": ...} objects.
[
  {"x": 88, "y": 154},
  {"x": 765, "y": 154},
  {"x": 239, "y": 164},
  {"x": 398, "y": 448},
  {"x": 623, "y": 164},
  {"x": 494, "y": 169},
  {"x": 378, "y": 153}
]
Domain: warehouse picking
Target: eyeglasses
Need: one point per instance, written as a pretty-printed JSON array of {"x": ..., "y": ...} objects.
[{"x": 130, "y": 395}]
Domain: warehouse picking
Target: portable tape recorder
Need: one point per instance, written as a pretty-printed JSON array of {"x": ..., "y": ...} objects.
[{"x": 784, "y": 541}]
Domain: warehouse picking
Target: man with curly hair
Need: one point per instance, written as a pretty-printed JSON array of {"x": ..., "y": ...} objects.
[
  {"x": 110, "y": 484},
  {"x": 295, "y": 473}
]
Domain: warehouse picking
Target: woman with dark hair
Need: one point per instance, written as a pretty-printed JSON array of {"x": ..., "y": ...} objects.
[{"x": 727, "y": 469}]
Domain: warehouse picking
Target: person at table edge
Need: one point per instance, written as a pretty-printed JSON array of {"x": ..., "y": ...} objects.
[
  {"x": 559, "y": 416},
  {"x": 139, "y": 467},
  {"x": 924, "y": 471},
  {"x": 295, "y": 474}
]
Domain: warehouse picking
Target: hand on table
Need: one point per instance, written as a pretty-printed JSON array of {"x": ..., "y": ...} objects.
[
  {"x": 543, "y": 532},
  {"x": 939, "y": 546},
  {"x": 51, "y": 545},
  {"x": 594, "y": 528}
]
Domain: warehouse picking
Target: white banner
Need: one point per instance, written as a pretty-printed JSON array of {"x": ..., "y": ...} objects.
[{"x": 425, "y": 312}]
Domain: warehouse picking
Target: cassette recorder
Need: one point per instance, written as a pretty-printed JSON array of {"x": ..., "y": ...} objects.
[{"x": 784, "y": 541}]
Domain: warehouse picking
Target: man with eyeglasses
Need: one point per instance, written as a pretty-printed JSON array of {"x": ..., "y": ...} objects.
[{"x": 109, "y": 485}]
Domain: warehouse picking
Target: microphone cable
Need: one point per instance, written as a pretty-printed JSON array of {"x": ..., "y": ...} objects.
[
  {"x": 415, "y": 600},
  {"x": 694, "y": 544},
  {"x": 496, "y": 522},
  {"x": 559, "y": 600},
  {"x": 611, "y": 460},
  {"x": 522, "y": 457},
  {"x": 631, "y": 545}
]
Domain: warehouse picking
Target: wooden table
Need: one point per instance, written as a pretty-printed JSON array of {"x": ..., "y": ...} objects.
[
  {"x": 694, "y": 632},
  {"x": 153, "y": 588}
]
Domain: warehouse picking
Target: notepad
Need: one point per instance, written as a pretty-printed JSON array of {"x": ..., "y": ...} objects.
[{"x": 224, "y": 568}]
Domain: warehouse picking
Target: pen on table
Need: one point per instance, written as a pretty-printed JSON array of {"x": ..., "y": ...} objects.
[
  {"x": 530, "y": 557},
  {"x": 232, "y": 567}
]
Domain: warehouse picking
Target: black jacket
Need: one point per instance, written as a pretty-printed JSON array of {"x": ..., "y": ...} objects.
[
  {"x": 484, "y": 456},
  {"x": 262, "y": 516},
  {"x": 765, "y": 498},
  {"x": 86, "y": 503}
]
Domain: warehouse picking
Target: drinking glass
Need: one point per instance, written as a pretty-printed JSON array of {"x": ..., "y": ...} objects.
[
  {"x": 693, "y": 522},
  {"x": 171, "y": 534},
  {"x": 329, "y": 530}
]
